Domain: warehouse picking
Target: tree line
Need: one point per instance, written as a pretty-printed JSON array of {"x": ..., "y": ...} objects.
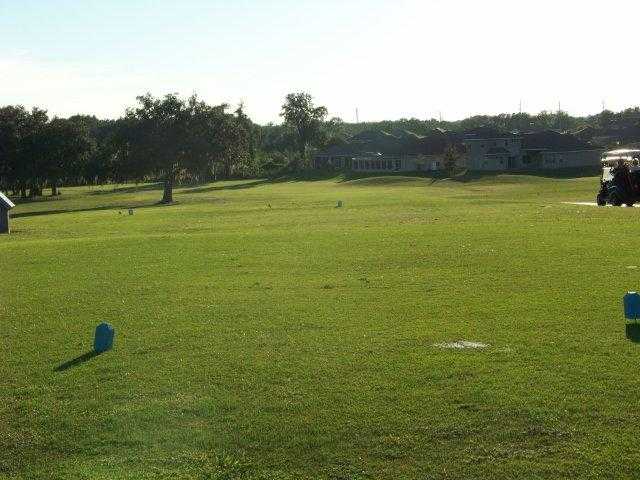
[
  {"x": 176, "y": 140},
  {"x": 167, "y": 139}
]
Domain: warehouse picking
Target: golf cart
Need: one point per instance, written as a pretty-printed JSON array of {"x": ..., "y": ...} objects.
[{"x": 620, "y": 181}]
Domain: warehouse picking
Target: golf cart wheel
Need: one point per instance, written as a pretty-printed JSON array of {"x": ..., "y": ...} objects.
[
  {"x": 615, "y": 200},
  {"x": 601, "y": 201}
]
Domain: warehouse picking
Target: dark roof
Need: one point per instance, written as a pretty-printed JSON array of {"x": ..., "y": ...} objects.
[
  {"x": 584, "y": 130},
  {"x": 631, "y": 134},
  {"x": 5, "y": 203},
  {"x": 498, "y": 151},
  {"x": 373, "y": 136},
  {"x": 338, "y": 150},
  {"x": 485, "y": 132},
  {"x": 553, "y": 141},
  {"x": 379, "y": 141},
  {"x": 436, "y": 141},
  {"x": 403, "y": 142},
  {"x": 401, "y": 133}
]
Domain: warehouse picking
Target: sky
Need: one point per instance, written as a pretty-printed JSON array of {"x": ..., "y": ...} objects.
[{"x": 388, "y": 59}]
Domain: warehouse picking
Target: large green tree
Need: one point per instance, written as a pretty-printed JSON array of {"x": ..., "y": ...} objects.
[
  {"x": 170, "y": 137},
  {"x": 67, "y": 146},
  {"x": 158, "y": 139},
  {"x": 13, "y": 120},
  {"x": 301, "y": 115},
  {"x": 32, "y": 155}
]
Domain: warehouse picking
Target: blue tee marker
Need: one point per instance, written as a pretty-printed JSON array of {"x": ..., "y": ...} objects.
[
  {"x": 103, "y": 340},
  {"x": 631, "y": 303}
]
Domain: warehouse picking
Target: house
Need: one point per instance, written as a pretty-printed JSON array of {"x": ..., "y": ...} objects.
[
  {"x": 337, "y": 157},
  {"x": 491, "y": 149},
  {"x": 376, "y": 161},
  {"x": 549, "y": 149},
  {"x": 480, "y": 148},
  {"x": 402, "y": 151},
  {"x": 610, "y": 137},
  {"x": 5, "y": 206}
]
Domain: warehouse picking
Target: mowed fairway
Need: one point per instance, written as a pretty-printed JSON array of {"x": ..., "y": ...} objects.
[{"x": 262, "y": 333}]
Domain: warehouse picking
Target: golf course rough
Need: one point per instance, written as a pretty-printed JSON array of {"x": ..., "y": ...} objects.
[{"x": 264, "y": 333}]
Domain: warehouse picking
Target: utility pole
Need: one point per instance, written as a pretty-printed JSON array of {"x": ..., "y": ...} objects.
[{"x": 357, "y": 116}]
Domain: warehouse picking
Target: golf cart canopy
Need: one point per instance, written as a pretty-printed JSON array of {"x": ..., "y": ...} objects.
[{"x": 625, "y": 155}]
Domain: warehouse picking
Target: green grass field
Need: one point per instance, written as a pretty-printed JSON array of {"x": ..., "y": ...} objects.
[{"x": 262, "y": 333}]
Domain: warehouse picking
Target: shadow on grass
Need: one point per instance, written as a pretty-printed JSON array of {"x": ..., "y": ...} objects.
[
  {"x": 305, "y": 176},
  {"x": 85, "y": 357},
  {"x": 40, "y": 199},
  {"x": 131, "y": 189},
  {"x": 235, "y": 186},
  {"x": 80, "y": 210},
  {"x": 560, "y": 173},
  {"x": 632, "y": 331},
  {"x": 467, "y": 176},
  {"x": 387, "y": 177}
]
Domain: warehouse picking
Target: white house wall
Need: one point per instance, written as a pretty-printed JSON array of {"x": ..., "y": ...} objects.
[
  {"x": 477, "y": 151},
  {"x": 582, "y": 158},
  {"x": 475, "y": 160},
  {"x": 406, "y": 163}
]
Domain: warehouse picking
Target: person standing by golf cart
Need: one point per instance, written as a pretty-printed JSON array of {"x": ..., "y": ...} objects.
[{"x": 620, "y": 180}]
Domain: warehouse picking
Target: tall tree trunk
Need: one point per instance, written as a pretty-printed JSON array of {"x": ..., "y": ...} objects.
[
  {"x": 167, "y": 196},
  {"x": 54, "y": 188}
]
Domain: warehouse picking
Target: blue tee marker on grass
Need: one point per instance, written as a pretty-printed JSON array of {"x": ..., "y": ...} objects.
[
  {"x": 103, "y": 340},
  {"x": 631, "y": 303}
]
